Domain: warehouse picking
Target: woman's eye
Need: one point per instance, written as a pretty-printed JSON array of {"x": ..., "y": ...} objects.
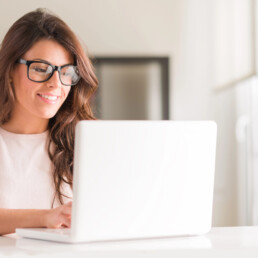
[
  {"x": 39, "y": 70},
  {"x": 66, "y": 74}
]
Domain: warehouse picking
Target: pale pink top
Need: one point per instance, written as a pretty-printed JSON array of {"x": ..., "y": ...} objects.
[{"x": 26, "y": 180}]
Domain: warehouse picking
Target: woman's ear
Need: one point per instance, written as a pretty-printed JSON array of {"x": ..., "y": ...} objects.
[{"x": 11, "y": 76}]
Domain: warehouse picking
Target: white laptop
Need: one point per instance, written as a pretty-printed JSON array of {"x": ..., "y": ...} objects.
[{"x": 139, "y": 179}]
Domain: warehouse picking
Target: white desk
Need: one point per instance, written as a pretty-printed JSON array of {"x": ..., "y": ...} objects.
[{"x": 220, "y": 242}]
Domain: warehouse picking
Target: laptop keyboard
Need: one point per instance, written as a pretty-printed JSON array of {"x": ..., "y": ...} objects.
[{"x": 60, "y": 231}]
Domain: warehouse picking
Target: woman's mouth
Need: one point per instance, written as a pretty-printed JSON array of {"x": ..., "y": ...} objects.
[{"x": 50, "y": 99}]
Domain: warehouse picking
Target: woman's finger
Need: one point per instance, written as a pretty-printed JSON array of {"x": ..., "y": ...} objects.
[
  {"x": 69, "y": 204},
  {"x": 66, "y": 222},
  {"x": 66, "y": 210}
]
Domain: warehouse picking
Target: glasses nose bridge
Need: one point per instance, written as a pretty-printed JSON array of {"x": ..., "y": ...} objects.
[{"x": 58, "y": 69}]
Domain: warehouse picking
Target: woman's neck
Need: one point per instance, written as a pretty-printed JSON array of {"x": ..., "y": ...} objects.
[{"x": 29, "y": 125}]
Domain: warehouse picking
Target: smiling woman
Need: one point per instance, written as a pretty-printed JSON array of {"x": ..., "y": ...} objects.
[{"x": 46, "y": 86}]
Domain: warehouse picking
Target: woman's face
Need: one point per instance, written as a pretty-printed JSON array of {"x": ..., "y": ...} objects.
[{"x": 41, "y": 100}]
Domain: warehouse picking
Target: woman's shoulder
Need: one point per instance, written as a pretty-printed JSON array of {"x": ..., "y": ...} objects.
[{"x": 32, "y": 147}]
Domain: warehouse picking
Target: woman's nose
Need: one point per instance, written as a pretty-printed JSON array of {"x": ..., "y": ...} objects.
[{"x": 54, "y": 81}]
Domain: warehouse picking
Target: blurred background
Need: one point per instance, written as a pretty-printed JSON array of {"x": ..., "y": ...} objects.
[{"x": 178, "y": 60}]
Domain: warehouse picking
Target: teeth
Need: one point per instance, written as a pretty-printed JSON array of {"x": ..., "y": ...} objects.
[{"x": 49, "y": 97}]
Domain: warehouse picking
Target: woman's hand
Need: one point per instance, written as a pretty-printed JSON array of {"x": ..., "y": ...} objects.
[{"x": 59, "y": 217}]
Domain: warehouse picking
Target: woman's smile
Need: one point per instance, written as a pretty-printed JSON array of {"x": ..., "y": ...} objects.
[{"x": 49, "y": 98}]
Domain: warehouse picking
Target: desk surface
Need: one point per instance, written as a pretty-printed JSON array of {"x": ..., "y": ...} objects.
[{"x": 219, "y": 242}]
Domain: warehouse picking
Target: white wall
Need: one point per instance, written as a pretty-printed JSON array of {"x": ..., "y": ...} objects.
[
  {"x": 177, "y": 28},
  {"x": 180, "y": 29}
]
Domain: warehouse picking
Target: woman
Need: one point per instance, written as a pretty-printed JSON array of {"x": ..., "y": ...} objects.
[{"x": 46, "y": 85}]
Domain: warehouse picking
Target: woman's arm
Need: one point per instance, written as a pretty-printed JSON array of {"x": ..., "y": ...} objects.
[{"x": 10, "y": 219}]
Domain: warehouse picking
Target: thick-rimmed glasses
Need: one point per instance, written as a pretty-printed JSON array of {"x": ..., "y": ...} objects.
[{"x": 41, "y": 71}]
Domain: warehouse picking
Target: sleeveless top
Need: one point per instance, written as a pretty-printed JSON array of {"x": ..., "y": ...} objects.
[{"x": 26, "y": 172}]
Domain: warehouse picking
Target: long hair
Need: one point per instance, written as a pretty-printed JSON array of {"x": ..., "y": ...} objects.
[{"x": 25, "y": 32}]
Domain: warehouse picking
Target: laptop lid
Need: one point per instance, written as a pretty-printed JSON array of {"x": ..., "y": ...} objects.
[{"x": 141, "y": 179}]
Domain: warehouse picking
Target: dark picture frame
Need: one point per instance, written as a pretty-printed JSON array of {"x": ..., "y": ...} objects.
[{"x": 163, "y": 62}]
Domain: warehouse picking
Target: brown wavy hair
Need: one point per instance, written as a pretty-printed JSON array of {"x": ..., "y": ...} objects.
[{"x": 26, "y": 31}]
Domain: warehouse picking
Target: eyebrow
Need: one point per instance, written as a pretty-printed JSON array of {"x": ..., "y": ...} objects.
[{"x": 43, "y": 60}]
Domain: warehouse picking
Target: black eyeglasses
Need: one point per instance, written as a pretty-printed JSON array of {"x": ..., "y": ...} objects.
[{"x": 41, "y": 71}]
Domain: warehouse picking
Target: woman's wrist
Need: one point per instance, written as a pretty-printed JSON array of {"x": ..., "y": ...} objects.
[{"x": 44, "y": 218}]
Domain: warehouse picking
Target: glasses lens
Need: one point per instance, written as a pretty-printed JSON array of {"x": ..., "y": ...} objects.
[
  {"x": 69, "y": 75},
  {"x": 40, "y": 71}
]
